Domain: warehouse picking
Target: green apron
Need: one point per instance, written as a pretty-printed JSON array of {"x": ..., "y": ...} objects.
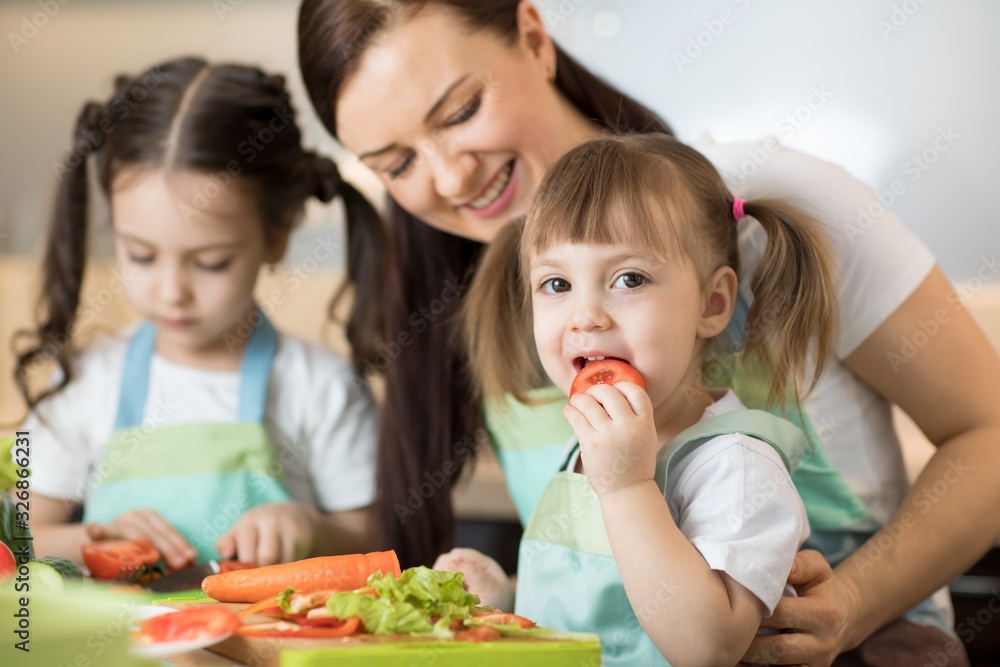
[
  {"x": 567, "y": 576},
  {"x": 199, "y": 477}
]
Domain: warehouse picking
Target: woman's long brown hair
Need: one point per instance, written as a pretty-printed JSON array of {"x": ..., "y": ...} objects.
[
  {"x": 190, "y": 115},
  {"x": 431, "y": 420}
]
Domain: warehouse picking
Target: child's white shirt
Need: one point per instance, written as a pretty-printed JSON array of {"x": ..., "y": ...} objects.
[
  {"x": 321, "y": 419},
  {"x": 734, "y": 500}
]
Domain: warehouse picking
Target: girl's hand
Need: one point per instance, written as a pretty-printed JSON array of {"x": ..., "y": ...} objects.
[
  {"x": 614, "y": 424},
  {"x": 272, "y": 533},
  {"x": 481, "y": 575},
  {"x": 147, "y": 525}
]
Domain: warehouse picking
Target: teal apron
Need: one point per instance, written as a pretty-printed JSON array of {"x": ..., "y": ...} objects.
[
  {"x": 199, "y": 477},
  {"x": 567, "y": 576}
]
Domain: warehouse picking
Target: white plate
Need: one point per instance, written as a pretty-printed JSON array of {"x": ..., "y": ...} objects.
[{"x": 163, "y": 649}]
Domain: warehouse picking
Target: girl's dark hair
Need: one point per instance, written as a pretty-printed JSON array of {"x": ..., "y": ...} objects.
[
  {"x": 232, "y": 122},
  {"x": 431, "y": 417},
  {"x": 653, "y": 192}
]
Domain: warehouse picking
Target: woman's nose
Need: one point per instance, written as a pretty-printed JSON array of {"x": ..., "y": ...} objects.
[{"x": 453, "y": 175}]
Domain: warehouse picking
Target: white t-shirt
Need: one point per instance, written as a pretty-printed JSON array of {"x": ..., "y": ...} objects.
[
  {"x": 879, "y": 264},
  {"x": 734, "y": 500},
  {"x": 321, "y": 420}
]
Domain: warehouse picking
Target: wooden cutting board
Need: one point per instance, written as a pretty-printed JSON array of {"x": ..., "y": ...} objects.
[{"x": 405, "y": 651}]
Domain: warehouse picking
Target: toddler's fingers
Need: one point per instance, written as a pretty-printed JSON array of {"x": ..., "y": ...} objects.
[
  {"x": 591, "y": 408},
  {"x": 638, "y": 399},
  {"x": 246, "y": 543},
  {"x": 226, "y": 546},
  {"x": 614, "y": 403}
]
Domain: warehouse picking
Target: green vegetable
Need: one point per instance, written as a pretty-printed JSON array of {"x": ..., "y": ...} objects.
[
  {"x": 44, "y": 577},
  {"x": 64, "y": 566},
  {"x": 420, "y": 600},
  {"x": 11, "y": 534}
]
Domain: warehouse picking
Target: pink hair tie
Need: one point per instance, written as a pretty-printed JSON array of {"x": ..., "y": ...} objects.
[{"x": 738, "y": 208}]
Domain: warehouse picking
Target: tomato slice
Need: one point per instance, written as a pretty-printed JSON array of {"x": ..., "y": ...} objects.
[
  {"x": 606, "y": 371},
  {"x": 8, "y": 564},
  {"x": 289, "y": 629},
  {"x": 501, "y": 618},
  {"x": 107, "y": 558},
  {"x": 483, "y": 633},
  {"x": 205, "y": 621}
]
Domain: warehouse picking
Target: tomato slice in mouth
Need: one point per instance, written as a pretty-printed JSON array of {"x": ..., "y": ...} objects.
[
  {"x": 605, "y": 371},
  {"x": 109, "y": 558},
  {"x": 191, "y": 624}
]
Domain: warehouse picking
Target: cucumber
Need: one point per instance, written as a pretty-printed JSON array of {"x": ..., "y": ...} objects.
[
  {"x": 43, "y": 577},
  {"x": 64, "y": 566},
  {"x": 10, "y": 533}
]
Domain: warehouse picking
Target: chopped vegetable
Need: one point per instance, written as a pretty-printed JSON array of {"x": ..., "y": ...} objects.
[
  {"x": 205, "y": 621},
  {"x": 331, "y": 629},
  {"x": 312, "y": 574},
  {"x": 8, "y": 565},
  {"x": 110, "y": 559},
  {"x": 605, "y": 371}
]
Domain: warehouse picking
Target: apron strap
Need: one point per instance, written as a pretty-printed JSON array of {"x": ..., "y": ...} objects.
[
  {"x": 255, "y": 371},
  {"x": 135, "y": 377}
]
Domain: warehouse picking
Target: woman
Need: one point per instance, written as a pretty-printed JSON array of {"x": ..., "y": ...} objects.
[{"x": 461, "y": 133}]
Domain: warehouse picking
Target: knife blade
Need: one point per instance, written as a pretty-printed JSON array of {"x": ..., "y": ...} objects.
[{"x": 184, "y": 579}]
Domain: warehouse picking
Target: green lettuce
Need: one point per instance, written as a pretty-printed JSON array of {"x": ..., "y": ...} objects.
[{"x": 420, "y": 600}]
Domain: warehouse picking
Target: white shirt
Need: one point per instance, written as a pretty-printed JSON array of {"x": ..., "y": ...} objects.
[
  {"x": 734, "y": 500},
  {"x": 879, "y": 264},
  {"x": 319, "y": 416}
]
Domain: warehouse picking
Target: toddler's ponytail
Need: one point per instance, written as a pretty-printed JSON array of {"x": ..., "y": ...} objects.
[{"x": 793, "y": 319}]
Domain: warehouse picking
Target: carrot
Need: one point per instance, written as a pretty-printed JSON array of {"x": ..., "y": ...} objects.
[{"x": 341, "y": 573}]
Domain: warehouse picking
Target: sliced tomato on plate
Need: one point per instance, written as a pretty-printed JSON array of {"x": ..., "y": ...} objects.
[
  {"x": 202, "y": 622},
  {"x": 109, "y": 558},
  {"x": 483, "y": 633},
  {"x": 289, "y": 629},
  {"x": 605, "y": 371}
]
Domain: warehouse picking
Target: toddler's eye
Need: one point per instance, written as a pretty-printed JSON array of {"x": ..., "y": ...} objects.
[
  {"x": 630, "y": 280},
  {"x": 217, "y": 266},
  {"x": 141, "y": 259},
  {"x": 554, "y": 286}
]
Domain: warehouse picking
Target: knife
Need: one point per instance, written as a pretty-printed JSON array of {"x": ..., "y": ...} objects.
[{"x": 185, "y": 579}]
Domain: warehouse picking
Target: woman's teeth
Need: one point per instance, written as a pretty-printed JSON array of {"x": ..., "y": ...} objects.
[{"x": 499, "y": 183}]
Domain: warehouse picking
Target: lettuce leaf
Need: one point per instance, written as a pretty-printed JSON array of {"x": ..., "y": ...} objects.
[{"x": 420, "y": 600}]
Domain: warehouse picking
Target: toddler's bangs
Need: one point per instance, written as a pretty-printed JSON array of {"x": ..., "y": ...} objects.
[{"x": 606, "y": 193}]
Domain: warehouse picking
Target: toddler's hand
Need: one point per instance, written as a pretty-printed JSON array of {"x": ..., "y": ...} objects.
[
  {"x": 481, "y": 575},
  {"x": 272, "y": 533},
  {"x": 147, "y": 525},
  {"x": 614, "y": 424}
]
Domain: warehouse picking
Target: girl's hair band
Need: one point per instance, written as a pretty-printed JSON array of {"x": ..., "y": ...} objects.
[{"x": 738, "y": 208}]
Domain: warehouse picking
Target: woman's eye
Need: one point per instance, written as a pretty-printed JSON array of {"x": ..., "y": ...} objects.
[
  {"x": 554, "y": 286},
  {"x": 214, "y": 266},
  {"x": 630, "y": 280},
  {"x": 402, "y": 167},
  {"x": 140, "y": 259},
  {"x": 466, "y": 112}
]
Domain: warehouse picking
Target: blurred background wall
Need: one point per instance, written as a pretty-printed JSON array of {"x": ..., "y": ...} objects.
[{"x": 868, "y": 84}]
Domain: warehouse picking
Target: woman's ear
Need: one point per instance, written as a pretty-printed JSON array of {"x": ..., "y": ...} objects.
[
  {"x": 720, "y": 299},
  {"x": 534, "y": 38}
]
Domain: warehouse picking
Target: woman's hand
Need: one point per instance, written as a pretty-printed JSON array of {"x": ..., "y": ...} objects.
[
  {"x": 481, "y": 575},
  {"x": 819, "y": 616},
  {"x": 614, "y": 424},
  {"x": 272, "y": 533},
  {"x": 146, "y": 524}
]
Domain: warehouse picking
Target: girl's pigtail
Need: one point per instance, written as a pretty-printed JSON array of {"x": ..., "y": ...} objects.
[
  {"x": 63, "y": 266},
  {"x": 366, "y": 248},
  {"x": 794, "y": 312},
  {"x": 495, "y": 319}
]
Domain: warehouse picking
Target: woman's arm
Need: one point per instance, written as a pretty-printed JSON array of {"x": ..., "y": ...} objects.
[{"x": 949, "y": 518}]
